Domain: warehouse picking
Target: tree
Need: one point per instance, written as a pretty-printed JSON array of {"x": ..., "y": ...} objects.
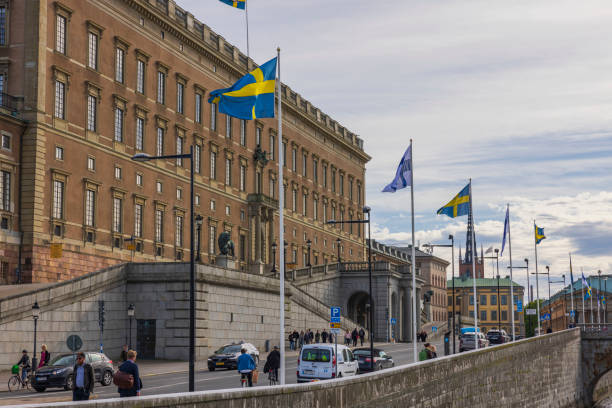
[{"x": 531, "y": 321}]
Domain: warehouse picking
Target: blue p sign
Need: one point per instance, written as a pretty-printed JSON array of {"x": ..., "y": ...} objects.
[{"x": 335, "y": 312}]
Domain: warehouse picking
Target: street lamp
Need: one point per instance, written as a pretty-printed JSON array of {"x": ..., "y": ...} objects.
[
  {"x": 338, "y": 241},
  {"x": 199, "y": 221},
  {"x": 308, "y": 244},
  {"x": 366, "y": 210},
  {"x": 274, "y": 246},
  {"x": 130, "y": 312},
  {"x": 496, "y": 257},
  {"x": 35, "y": 315},
  {"x": 143, "y": 157}
]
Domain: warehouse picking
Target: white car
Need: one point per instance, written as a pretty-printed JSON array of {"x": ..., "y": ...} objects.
[{"x": 319, "y": 362}]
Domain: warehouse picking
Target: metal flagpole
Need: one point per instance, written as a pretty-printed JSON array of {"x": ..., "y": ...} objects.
[
  {"x": 281, "y": 221},
  {"x": 572, "y": 288},
  {"x": 583, "y": 290},
  {"x": 511, "y": 282},
  {"x": 246, "y": 14},
  {"x": 591, "y": 297},
  {"x": 535, "y": 244},
  {"x": 474, "y": 271},
  {"x": 414, "y": 299}
]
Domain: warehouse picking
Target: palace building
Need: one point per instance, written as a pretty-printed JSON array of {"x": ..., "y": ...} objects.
[{"x": 86, "y": 84}]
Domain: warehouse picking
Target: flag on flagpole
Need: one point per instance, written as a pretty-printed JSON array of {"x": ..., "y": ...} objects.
[
  {"x": 489, "y": 250},
  {"x": 252, "y": 96},
  {"x": 506, "y": 226},
  {"x": 402, "y": 174},
  {"x": 571, "y": 275},
  {"x": 459, "y": 205},
  {"x": 587, "y": 286},
  {"x": 539, "y": 234},
  {"x": 239, "y": 4}
]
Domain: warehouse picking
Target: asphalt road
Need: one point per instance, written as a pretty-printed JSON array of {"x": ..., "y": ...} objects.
[{"x": 205, "y": 380}]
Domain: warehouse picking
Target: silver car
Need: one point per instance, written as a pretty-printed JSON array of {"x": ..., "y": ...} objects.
[{"x": 467, "y": 341}]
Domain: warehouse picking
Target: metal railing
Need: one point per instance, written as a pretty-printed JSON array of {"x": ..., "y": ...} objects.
[
  {"x": 11, "y": 103},
  {"x": 344, "y": 267}
]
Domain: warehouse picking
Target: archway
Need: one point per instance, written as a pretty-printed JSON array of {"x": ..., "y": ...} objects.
[{"x": 357, "y": 309}]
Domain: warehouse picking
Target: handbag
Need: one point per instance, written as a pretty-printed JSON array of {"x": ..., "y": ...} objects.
[
  {"x": 255, "y": 376},
  {"x": 123, "y": 380}
]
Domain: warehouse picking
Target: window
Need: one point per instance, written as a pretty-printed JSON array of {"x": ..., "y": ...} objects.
[
  {"x": 58, "y": 199},
  {"x": 227, "y": 210},
  {"x": 493, "y": 300},
  {"x": 180, "y": 93},
  {"x": 243, "y": 132},
  {"x": 242, "y": 177},
  {"x": 471, "y": 300},
  {"x": 90, "y": 208},
  {"x": 139, "y": 133},
  {"x": 324, "y": 211},
  {"x": 228, "y": 126},
  {"x": 117, "y": 214},
  {"x": 197, "y": 158},
  {"x": 325, "y": 175},
  {"x": 272, "y": 187},
  {"x": 213, "y": 116},
  {"x": 483, "y": 315},
  {"x": 140, "y": 76},
  {"x": 211, "y": 239},
  {"x": 304, "y": 206},
  {"x": 161, "y": 87},
  {"x": 91, "y": 164},
  {"x": 138, "y": 220},
  {"x": 213, "y": 205},
  {"x": 159, "y": 222},
  {"x": 6, "y": 140},
  {"x": 350, "y": 189},
  {"x": 358, "y": 193},
  {"x": 119, "y": 64},
  {"x": 179, "y": 194},
  {"x": 179, "y": 231},
  {"x": 504, "y": 315},
  {"x": 341, "y": 182},
  {"x": 315, "y": 209},
  {"x": 483, "y": 300},
  {"x": 92, "y": 106},
  {"x": 118, "y": 125},
  {"x": 243, "y": 248},
  {"x": 285, "y": 196},
  {"x": 284, "y": 153},
  {"x": 158, "y": 186},
  {"x": 504, "y": 300},
  {"x": 272, "y": 147},
  {"x": 294, "y": 159},
  {"x": 304, "y": 159},
  {"x": 198, "y": 108},
  {"x": 160, "y": 142},
  {"x": 257, "y": 136},
  {"x": 333, "y": 180},
  {"x": 315, "y": 170},
  {"x": 118, "y": 172},
  {"x": 228, "y": 172},
  {"x": 179, "y": 150},
  {"x": 494, "y": 315},
  {"x": 5, "y": 191},
  {"x": 60, "y": 96},
  {"x": 59, "y": 153},
  {"x": 139, "y": 179},
  {"x": 471, "y": 314},
  {"x": 92, "y": 58},
  {"x": 294, "y": 200},
  {"x": 213, "y": 165},
  {"x": 60, "y": 31}
]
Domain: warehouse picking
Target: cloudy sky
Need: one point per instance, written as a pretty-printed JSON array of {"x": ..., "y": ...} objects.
[{"x": 516, "y": 95}]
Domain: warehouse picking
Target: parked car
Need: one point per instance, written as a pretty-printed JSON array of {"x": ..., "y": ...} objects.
[
  {"x": 319, "y": 362},
  {"x": 498, "y": 337},
  {"x": 381, "y": 359},
  {"x": 467, "y": 341},
  {"x": 227, "y": 356},
  {"x": 58, "y": 373}
]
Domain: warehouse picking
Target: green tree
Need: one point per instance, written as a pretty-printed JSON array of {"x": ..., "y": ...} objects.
[{"x": 531, "y": 321}]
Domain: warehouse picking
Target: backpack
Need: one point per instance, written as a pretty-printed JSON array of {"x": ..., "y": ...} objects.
[
  {"x": 123, "y": 380},
  {"x": 423, "y": 355}
]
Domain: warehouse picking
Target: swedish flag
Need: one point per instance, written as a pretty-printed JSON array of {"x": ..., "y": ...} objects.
[
  {"x": 459, "y": 205},
  {"x": 539, "y": 234},
  {"x": 252, "y": 96},
  {"x": 239, "y": 4}
]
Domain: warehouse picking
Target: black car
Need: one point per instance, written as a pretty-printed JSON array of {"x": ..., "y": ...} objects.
[
  {"x": 381, "y": 359},
  {"x": 58, "y": 373},
  {"x": 227, "y": 356},
  {"x": 497, "y": 337}
]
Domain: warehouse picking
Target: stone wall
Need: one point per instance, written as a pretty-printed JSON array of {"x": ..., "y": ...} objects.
[{"x": 538, "y": 372}]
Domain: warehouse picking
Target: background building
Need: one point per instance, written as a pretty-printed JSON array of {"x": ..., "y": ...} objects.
[
  {"x": 465, "y": 263},
  {"x": 87, "y": 84}
]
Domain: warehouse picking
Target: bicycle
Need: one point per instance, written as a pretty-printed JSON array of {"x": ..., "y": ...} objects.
[
  {"x": 273, "y": 377},
  {"x": 15, "y": 383},
  {"x": 244, "y": 380}
]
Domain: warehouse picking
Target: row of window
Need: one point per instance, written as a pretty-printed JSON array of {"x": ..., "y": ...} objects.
[{"x": 491, "y": 315}]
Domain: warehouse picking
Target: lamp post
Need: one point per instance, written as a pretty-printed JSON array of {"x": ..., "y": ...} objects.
[
  {"x": 285, "y": 245},
  {"x": 308, "y": 244},
  {"x": 598, "y": 298},
  {"x": 496, "y": 257},
  {"x": 338, "y": 242},
  {"x": 366, "y": 210},
  {"x": 35, "y": 315},
  {"x": 143, "y": 157},
  {"x": 130, "y": 311},
  {"x": 199, "y": 221},
  {"x": 274, "y": 246}
]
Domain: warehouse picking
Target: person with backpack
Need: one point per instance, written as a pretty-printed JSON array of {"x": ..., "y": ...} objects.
[
  {"x": 361, "y": 335},
  {"x": 127, "y": 378}
]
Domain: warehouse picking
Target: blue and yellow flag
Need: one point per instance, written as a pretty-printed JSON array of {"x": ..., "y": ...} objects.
[
  {"x": 251, "y": 97},
  {"x": 587, "y": 287},
  {"x": 239, "y": 4},
  {"x": 539, "y": 234},
  {"x": 458, "y": 206}
]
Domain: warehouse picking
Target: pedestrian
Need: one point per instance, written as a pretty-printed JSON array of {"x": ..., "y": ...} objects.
[
  {"x": 24, "y": 362},
  {"x": 311, "y": 336},
  {"x": 355, "y": 336},
  {"x": 361, "y": 335},
  {"x": 424, "y": 336},
  {"x": 423, "y": 354},
  {"x": 296, "y": 337},
  {"x": 123, "y": 356},
  {"x": 330, "y": 337},
  {"x": 347, "y": 338},
  {"x": 301, "y": 339},
  {"x": 317, "y": 337},
  {"x": 82, "y": 379},
  {"x": 431, "y": 351},
  {"x": 130, "y": 367},
  {"x": 273, "y": 363},
  {"x": 323, "y": 336},
  {"x": 44, "y": 356},
  {"x": 291, "y": 342}
]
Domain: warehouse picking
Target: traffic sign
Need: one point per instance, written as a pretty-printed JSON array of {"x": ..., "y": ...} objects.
[
  {"x": 393, "y": 320},
  {"x": 545, "y": 316},
  {"x": 335, "y": 330},
  {"x": 334, "y": 325},
  {"x": 334, "y": 312},
  {"x": 74, "y": 342},
  {"x": 519, "y": 306},
  {"x": 572, "y": 313},
  {"x": 530, "y": 312},
  {"x": 434, "y": 329}
]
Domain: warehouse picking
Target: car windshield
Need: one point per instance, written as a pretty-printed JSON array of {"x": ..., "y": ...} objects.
[
  {"x": 65, "y": 360},
  {"x": 494, "y": 334},
  {"x": 364, "y": 352},
  {"x": 231, "y": 349},
  {"x": 317, "y": 355}
]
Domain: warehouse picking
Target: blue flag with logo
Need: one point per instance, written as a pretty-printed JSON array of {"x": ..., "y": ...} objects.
[{"x": 402, "y": 174}]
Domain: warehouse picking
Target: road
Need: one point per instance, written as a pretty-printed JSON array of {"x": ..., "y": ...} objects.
[{"x": 205, "y": 380}]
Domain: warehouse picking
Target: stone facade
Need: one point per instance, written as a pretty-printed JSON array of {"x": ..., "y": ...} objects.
[{"x": 90, "y": 83}]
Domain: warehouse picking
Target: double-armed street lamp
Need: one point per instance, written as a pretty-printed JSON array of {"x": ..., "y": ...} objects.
[
  {"x": 366, "y": 210},
  {"x": 144, "y": 157},
  {"x": 496, "y": 257},
  {"x": 130, "y": 311},
  {"x": 35, "y": 316}
]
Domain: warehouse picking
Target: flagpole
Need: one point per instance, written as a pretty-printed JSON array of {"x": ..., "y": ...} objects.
[
  {"x": 572, "y": 288},
  {"x": 583, "y": 289},
  {"x": 281, "y": 221},
  {"x": 474, "y": 270},
  {"x": 414, "y": 299},
  {"x": 591, "y": 297},
  {"x": 246, "y": 14},
  {"x": 535, "y": 244},
  {"x": 511, "y": 281}
]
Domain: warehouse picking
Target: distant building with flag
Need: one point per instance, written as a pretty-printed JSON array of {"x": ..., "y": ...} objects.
[{"x": 465, "y": 262}]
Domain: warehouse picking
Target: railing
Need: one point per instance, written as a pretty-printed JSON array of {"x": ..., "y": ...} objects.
[
  {"x": 343, "y": 267},
  {"x": 11, "y": 103},
  {"x": 595, "y": 327}
]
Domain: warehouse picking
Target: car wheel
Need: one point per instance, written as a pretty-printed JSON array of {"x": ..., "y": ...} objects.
[
  {"x": 107, "y": 378},
  {"x": 68, "y": 385},
  {"x": 211, "y": 368},
  {"x": 40, "y": 389}
]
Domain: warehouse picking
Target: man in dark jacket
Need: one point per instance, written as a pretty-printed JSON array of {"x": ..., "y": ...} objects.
[
  {"x": 130, "y": 367},
  {"x": 361, "y": 335},
  {"x": 24, "y": 362},
  {"x": 355, "y": 336},
  {"x": 82, "y": 379},
  {"x": 273, "y": 363},
  {"x": 323, "y": 336}
]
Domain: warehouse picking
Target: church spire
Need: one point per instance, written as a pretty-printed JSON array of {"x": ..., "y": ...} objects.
[{"x": 468, "y": 242}]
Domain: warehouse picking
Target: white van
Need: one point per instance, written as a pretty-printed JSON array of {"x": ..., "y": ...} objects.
[{"x": 318, "y": 362}]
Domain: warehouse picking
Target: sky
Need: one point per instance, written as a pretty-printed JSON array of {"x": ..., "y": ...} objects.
[{"x": 515, "y": 95}]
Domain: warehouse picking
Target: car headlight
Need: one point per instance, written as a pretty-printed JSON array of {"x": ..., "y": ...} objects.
[
  {"x": 210, "y": 359},
  {"x": 59, "y": 371}
]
